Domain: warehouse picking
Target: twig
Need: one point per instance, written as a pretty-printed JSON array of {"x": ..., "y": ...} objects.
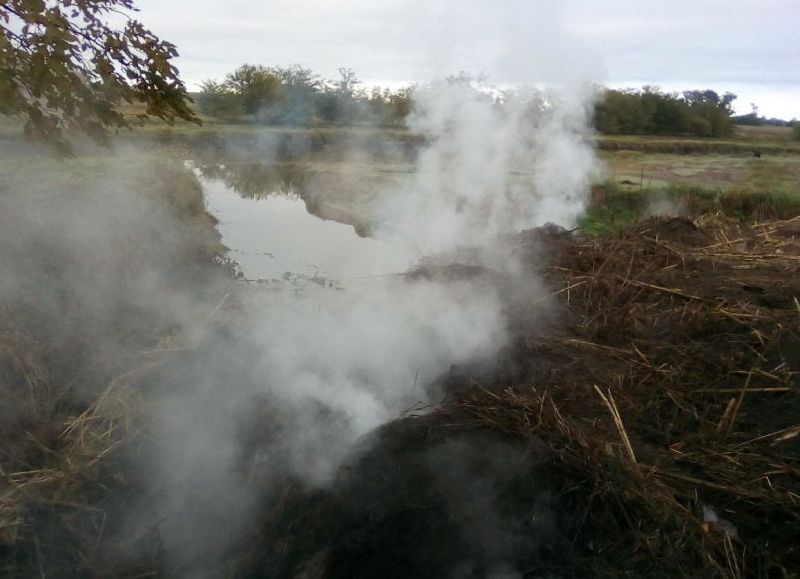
[
  {"x": 732, "y": 390},
  {"x": 588, "y": 344},
  {"x": 797, "y": 305},
  {"x": 562, "y": 290},
  {"x": 612, "y": 408},
  {"x": 779, "y": 436},
  {"x": 672, "y": 291},
  {"x": 721, "y": 425},
  {"x": 735, "y": 491},
  {"x": 219, "y": 306},
  {"x": 738, "y": 405}
]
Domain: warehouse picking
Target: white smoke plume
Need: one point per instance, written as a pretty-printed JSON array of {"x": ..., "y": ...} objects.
[
  {"x": 368, "y": 357},
  {"x": 496, "y": 164},
  {"x": 331, "y": 366}
]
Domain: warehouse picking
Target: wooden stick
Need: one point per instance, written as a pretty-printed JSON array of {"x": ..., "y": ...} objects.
[
  {"x": 736, "y": 491},
  {"x": 672, "y": 291},
  {"x": 738, "y": 406},
  {"x": 612, "y": 408},
  {"x": 732, "y": 390},
  {"x": 721, "y": 425}
]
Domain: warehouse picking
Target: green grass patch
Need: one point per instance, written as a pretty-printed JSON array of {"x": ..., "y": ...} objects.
[
  {"x": 695, "y": 146},
  {"x": 158, "y": 175},
  {"x": 615, "y": 207}
]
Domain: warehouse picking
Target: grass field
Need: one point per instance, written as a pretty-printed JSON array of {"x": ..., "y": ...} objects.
[
  {"x": 720, "y": 171},
  {"x": 643, "y": 175}
]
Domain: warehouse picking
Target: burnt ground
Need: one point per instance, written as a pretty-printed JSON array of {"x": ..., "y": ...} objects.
[
  {"x": 656, "y": 435},
  {"x": 653, "y": 431}
]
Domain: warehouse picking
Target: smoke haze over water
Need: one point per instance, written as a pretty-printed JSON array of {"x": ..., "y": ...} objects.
[
  {"x": 330, "y": 367},
  {"x": 278, "y": 386}
]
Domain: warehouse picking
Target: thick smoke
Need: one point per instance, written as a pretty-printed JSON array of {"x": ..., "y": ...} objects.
[
  {"x": 247, "y": 386},
  {"x": 279, "y": 386},
  {"x": 496, "y": 164},
  {"x": 331, "y": 366},
  {"x": 311, "y": 375},
  {"x": 365, "y": 358}
]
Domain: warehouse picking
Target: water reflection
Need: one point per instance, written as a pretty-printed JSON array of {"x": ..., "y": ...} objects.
[
  {"x": 275, "y": 239},
  {"x": 276, "y": 145},
  {"x": 255, "y": 180}
]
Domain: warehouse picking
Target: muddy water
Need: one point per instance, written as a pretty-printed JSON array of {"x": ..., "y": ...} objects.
[{"x": 274, "y": 238}]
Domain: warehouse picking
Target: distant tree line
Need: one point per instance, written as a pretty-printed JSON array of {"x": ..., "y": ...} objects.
[
  {"x": 295, "y": 96},
  {"x": 701, "y": 113},
  {"x": 754, "y": 120}
]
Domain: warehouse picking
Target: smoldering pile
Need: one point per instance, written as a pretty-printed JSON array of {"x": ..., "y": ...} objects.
[
  {"x": 656, "y": 436},
  {"x": 211, "y": 432}
]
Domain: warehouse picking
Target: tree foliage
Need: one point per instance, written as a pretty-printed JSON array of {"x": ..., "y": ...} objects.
[
  {"x": 296, "y": 96},
  {"x": 256, "y": 86},
  {"x": 216, "y": 100},
  {"x": 753, "y": 120},
  {"x": 68, "y": 64},
  {"x": 701, "y": 113}
]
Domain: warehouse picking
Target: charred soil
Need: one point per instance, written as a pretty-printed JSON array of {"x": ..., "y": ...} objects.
[{"x": 656, "y": 435}]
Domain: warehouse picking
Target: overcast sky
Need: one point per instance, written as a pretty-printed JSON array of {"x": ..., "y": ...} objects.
[{"x": 749, "y": 47}]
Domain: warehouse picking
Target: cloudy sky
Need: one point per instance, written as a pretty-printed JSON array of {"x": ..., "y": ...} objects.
[{"x": 749, "y": 47}]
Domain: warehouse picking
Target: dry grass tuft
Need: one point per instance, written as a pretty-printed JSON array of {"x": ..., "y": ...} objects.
[{"x": 675, "y": 391}]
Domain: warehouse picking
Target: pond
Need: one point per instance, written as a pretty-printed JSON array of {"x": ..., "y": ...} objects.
[{"x": 275, "y": 239}]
